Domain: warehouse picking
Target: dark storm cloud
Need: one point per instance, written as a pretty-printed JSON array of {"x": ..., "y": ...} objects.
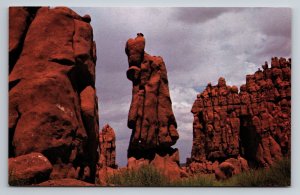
[{"x": 198, "y": 46}]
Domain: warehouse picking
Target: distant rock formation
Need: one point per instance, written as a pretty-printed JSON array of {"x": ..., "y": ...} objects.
[
  {"x": 107, "y": 153},
  {"x": 52, "y": 99},
  {"x": 254, "y": 123},
  {"x": 150, "y": 116}
]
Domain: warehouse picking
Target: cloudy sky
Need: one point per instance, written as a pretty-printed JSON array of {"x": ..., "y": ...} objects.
[{"x": 198, "y": 46}]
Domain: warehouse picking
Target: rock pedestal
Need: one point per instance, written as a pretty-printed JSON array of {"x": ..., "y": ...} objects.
[{"x": 150, "y": 116}]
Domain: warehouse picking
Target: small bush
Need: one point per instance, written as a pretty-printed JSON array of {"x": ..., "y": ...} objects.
[
  {"x": 277, "y": 175},
  {"x": 146, "y": 176}
]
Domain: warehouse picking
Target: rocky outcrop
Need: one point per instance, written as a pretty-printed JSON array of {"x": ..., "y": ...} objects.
[
  {"x": 166, "y": 164},
  {"x": 52, "y": 100},
  {"x": 254, "y": 122},
  {"x": 150, "y": 116},
  {"x": 28, "y": 169},
  {"x": 107, "y": 153}
]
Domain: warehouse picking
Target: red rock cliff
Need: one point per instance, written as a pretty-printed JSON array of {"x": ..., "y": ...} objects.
[
  {"x": 254, "y": 123},
  {"x": 52, "y": 99}
]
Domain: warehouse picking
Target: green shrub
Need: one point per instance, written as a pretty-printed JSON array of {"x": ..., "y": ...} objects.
[
  {"x": 277, "y": 175},
  {"x": 146, "y": 175}
]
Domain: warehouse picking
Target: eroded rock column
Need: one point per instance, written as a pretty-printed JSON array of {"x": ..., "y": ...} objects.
[
  {"x": 150, "y": 116},
  {"x": 107, "y": 153}
]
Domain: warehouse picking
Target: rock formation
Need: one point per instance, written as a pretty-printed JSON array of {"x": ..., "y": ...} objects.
[
  {"x": 52, "y": 100},
  {"x": 254, "y": 123},
  {"x": 29, "y": 168},
  {"x": 107, "y": 153},
  {"x": 231, "y": 167},
  {"x": 150, "y": 116}
]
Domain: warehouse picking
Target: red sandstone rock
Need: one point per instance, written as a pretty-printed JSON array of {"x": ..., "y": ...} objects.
[
  {"x": 224, "y": 171},
  {"x": 231, "y": 167},
  {"x": 206, "y": 167},
  {"x": 150, "y": 116},
  {"x": 254, "y": 123},
  {"x": 52, "y": 101},
  {"x": 107, "y": 153},
  {"x": 135, "y": 164},
  {"x": 28, "y": 169},
  {"x": 19, "y": 21},
  {"x": 167, "y": 164},
  {"x": 104, "y": 173},
  {"x": 135, "y": 50}
]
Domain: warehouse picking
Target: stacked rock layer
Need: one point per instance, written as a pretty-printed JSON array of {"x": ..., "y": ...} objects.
[
  {"x": 107, "y": 141},
  {"x": 150, "y": 116},
  {"x": 254, "y": 122},
  {"x": 52, "y": 100}
]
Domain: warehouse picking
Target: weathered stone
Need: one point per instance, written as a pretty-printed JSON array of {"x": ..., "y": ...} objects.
[
  {"x": 253, "y": 123},
  {"x": 150, "y": 116},
  {"x": 19, "y": 21},
  {"x": 28, "y": 169},
  {"x": 107, "y": 153},
  {"x": 52, "y": 101}
]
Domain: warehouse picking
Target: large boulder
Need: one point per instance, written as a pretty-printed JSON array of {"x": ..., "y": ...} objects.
[
  {"x": 168, "y": 165},
  {"x": 28, "y": 169},
  {"x": 52, "y": 100},
  {"x": 224, "y": 171}
]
